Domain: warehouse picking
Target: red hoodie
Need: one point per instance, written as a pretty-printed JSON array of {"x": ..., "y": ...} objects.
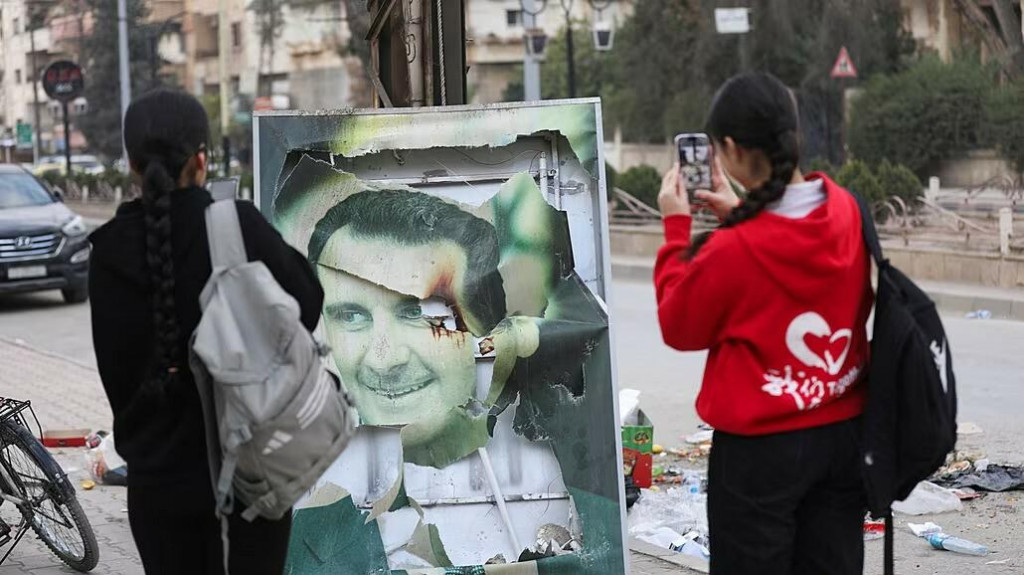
[{"x": 782, "y": 305}]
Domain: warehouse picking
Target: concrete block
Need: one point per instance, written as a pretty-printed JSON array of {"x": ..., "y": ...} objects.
[
  {"x": 989, "y": 271},
  {"x": 901, "y": 259},
  {"x": 971, "y": 270},
  {"x": 1007, "y": 272},
  {"x": 1017, "y": 311},
  {"x": 930, "y": 266},
  {"x": 954, "y": 304}
]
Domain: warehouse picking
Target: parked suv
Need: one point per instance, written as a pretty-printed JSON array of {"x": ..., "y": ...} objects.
[{"x": 43, "y": 244}]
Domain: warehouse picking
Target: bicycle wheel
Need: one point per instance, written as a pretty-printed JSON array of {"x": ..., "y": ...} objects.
[{"x": 52, "y": 510}]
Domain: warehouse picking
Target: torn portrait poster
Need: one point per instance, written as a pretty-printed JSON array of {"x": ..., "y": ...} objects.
[{"x": 463, "y": 254}]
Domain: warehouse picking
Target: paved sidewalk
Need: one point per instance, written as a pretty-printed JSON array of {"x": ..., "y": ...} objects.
[{"x": 67, "y": 395}]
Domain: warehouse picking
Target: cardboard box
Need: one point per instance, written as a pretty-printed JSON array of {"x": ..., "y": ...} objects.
[
  {"x": 637, "y": 449},
  {"x": 65, "y": 437}
]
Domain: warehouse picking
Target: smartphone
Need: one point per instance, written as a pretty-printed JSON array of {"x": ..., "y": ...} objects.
[
  {"x": 223, "y": 188},
  {"x": 696, "y": 156}
]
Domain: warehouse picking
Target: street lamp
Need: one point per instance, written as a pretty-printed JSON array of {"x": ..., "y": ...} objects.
[
  {"x": 604, "y": 35},
  {"x": 536, "y": 43},
  {"x": 536, "y": 39}
]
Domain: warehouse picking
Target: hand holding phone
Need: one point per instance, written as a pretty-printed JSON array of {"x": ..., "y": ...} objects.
[{"x": 696, "y": 158}]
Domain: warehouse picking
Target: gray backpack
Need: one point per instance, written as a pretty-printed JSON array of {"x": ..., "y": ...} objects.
[{"x": 274, "y": 417}]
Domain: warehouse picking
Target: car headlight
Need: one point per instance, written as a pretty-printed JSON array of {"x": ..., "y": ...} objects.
[
  {"x": 80, "y": 256},
  {"x": 75, "y": 227}
]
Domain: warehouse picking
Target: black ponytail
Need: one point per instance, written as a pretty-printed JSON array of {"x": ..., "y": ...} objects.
[
  {"x": 163, "y": 131},
  {"x": 758, "y": 112}
]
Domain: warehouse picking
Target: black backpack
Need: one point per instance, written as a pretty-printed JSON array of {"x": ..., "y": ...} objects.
[{"x": 909, "y": 423}]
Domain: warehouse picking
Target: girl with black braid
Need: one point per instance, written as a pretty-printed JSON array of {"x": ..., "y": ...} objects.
[
  {"x": 779, "y": 295},
  {"x": 149, "y": 265}
]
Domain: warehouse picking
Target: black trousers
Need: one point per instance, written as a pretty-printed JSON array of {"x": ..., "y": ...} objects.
[
  {"x": 787, "y": 503},
  {"x": 177, "y": 534}
]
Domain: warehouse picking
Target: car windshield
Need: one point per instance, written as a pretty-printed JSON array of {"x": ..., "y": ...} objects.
[{"x": 22, "y": 191}]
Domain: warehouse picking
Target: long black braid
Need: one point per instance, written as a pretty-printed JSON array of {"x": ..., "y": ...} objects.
[
  {"x": 164, "y": 130},
  {"x": 758, "y": 112}
]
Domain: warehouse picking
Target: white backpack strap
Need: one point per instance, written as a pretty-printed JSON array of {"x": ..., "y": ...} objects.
[{"x": 224, "y": 233}]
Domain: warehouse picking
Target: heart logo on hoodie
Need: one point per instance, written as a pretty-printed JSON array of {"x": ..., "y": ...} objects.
[{"x": 810, "y": 329}]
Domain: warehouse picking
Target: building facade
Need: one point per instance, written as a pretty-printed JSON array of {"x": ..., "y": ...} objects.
[
  {"x": 25, "y": 50},
  {"x": 296, "y": 58}
]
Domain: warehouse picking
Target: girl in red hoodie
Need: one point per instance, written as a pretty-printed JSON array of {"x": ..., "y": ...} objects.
[{"x": 780, "y": 296}]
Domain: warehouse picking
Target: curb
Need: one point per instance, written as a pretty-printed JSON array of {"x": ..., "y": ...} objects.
[
  {"x": 50, "y": 354},
  {"x": 681, "y": 563},
  {"x": 955, "y": 300}
]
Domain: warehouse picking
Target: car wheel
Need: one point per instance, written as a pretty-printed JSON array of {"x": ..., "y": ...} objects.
[{"x": 76, "y": 294}]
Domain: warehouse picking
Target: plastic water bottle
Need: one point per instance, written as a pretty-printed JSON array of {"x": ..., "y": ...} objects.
[
  {"x": 956, "y": 545},
  {"x": 692, "y": 484}
]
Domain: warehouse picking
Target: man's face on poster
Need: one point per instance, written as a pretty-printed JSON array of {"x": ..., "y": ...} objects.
[{"x": 403, "y": 356}]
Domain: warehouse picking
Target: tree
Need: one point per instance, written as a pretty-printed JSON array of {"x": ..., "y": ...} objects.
[
  {"x": 102, "y": 125},
  {"x": 358, "y": 18},
  {"x": 656, "y": 64},
  {"x": 269, "y": 26},
  {"x": 593, "y": 72},
  {"x": 896, "y": 180},
  {"x": 1002, "y": 37},
  {"x": 643, "y": 182},
  {"x": 669, "y": 60},
  {"x": 1004, "y": 123},
  {"x": 856, "y": 176},
  {"x": 922, "y": 116}
]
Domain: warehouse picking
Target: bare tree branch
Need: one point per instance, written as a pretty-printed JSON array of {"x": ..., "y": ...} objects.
[{"x": 1007, "y": 44}]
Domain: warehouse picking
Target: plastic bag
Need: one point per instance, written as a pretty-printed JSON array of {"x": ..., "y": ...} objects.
[
  {"x": 928, "y": 498},
  {"x": 676, "y": 509},
  {"x": 105, "y": 465}
]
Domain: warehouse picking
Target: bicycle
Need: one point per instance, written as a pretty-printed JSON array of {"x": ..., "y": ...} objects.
[{"x": 32, "y": 481}]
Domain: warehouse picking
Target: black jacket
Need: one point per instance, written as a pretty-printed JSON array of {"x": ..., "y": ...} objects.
[{"x": 163, "y": 440}]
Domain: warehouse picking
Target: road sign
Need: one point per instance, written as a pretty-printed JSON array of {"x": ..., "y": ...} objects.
[
  {"x": 732, "y": 20},
  {"x": 24, "y": 135},
  {"x": 844, "y": 67},
  {"x": 62, "y": 81}
]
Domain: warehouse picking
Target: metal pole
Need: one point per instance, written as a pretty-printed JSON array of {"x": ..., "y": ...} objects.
[
  {"x": 223, "y": 39},
  {"x": 67, "y": 137},
  {"x": 531, "y": 66},
  {"x": 37, "y": 141},
  {"x": 744, "y": 52},
  {"x": 126, "y": 82},
  {"x": 569, "y": 54}
]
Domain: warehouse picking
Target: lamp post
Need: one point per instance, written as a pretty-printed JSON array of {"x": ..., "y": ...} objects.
[
  {"x": 536, "y": 42},
  {"x": 123, "y": 68}
]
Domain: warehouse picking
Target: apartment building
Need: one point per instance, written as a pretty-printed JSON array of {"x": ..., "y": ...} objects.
[
  {"x": 304, "y": 65},
  {"x": 25, "y": 51}
]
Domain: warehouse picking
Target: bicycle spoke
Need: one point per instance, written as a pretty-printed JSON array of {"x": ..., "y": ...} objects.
[{"x": 43, "y": 512}]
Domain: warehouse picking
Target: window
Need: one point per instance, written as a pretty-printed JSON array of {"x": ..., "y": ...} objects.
[
  {"x": 514, "y": 18},
  {"x": 17, "y": 25},
  {"x": 20, "y": 190},
  {"x": 17, "y": 76},
  {"x": 236, "y": 35}
]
